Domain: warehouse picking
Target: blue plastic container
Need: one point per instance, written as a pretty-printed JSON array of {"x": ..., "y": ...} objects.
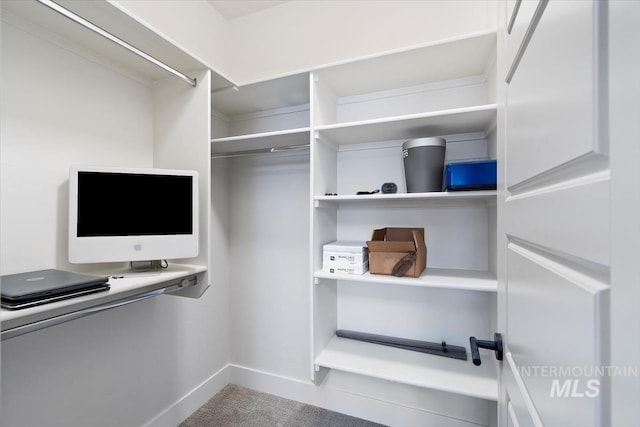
[{"x": 478, "y": 175}]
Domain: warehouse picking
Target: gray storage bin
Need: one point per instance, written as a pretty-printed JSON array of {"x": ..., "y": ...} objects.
[{"x": 424, "y": 164}]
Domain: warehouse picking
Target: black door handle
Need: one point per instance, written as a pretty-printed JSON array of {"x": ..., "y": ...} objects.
[{"x": 495, "y": 345}]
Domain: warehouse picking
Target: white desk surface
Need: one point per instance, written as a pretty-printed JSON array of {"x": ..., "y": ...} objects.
[{"x": 130, "y": 285}]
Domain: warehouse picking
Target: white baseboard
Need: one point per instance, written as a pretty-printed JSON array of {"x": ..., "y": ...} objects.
[
  {"x": 375, "y": 410},
  {"x": 334, "y": 399},
  {"x": 189, "y": 403}
]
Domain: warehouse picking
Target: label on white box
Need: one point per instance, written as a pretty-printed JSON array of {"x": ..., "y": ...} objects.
[
  {"x": 347, "y": 269},
  {"x": 345, "y": 258}
]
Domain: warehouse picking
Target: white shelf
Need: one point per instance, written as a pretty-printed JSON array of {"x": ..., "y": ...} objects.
[
  {"x": 433, "y": 62},
  {"x": 469, "y": 280},
  {"x": 253, "y": 97},
  {"x": 436, "y": 123},
  {"x": 488, "y": 196},
  {"x": 414, "y": 368},
  {"x": 123, "y": 286},
  {"x": 261, "y": 141}
]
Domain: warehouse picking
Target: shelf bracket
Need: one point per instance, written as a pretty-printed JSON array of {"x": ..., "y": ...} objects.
[{"x": 319, "y": 374}]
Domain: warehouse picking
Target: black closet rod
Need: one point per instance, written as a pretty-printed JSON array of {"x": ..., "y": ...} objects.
[{"x": 79, "y": 20}]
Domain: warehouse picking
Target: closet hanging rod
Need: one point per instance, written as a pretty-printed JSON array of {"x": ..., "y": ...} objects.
[
  {"x": 225, "y": 89},
  {"x": 79, "y": 20},
  {"x": 261, "y": 151}
]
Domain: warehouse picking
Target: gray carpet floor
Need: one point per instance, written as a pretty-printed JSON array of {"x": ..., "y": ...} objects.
[{"x": 236, "y": 406}]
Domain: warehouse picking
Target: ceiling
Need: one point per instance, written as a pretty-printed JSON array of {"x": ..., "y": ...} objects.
[{"x": 231, "y": 9}]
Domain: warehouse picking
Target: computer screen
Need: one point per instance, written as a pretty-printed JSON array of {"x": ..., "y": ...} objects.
[{"x": 125, "y": 214}]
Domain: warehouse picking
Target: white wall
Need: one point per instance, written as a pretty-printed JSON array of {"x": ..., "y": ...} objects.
[
  {"x": 269, "y": 293},
  {"x": 50, "y": 119},
  {"x": 302, "y": 35}
]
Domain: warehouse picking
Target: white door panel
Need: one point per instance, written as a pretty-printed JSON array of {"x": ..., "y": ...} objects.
[
  {"x": 554, "y": 219},
  {"x": 552, "y": 103},
  {"x": 555, "y": 315},
  {"x": 573, "y": 217}
]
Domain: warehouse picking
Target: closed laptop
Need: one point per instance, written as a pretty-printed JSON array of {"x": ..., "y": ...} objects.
[{"x": 37, "y": 287}]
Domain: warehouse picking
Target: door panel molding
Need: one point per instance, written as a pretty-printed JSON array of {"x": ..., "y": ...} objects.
[
  {"x": 592, "y": 281},
  {"x": 513, "y": 419},
  {"x": 557, "y": 340},
  {"x": 556, "y": 109},
  {"x": 574, "y": 218},
  {"x": 521, "y": 401},
  {"x": 579, "y": 170}
]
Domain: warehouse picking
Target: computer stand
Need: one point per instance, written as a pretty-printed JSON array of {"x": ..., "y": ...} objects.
[{"x": 153, "y": 266}]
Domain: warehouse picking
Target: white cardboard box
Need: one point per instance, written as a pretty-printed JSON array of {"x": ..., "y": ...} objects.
[
  {"x": 345, "y": 257},
  {"x": 347, "y": 252}
]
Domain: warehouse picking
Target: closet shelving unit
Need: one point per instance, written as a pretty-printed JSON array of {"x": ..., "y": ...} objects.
[
  {"x": 452, "y": 121},
  {"x": 409, "y": 368},
  {"x": 361, "y": 112},
  {"x": 261, "y": 116},
  {"x": 261, "y": 141},
  {"x": 473, "y": 280},
  {"x": 355, "y": 116},
  {"x": 487, "y": 195}
]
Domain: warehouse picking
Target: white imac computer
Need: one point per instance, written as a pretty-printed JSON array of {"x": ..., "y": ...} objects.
[{"x": 132, "y": 215}]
